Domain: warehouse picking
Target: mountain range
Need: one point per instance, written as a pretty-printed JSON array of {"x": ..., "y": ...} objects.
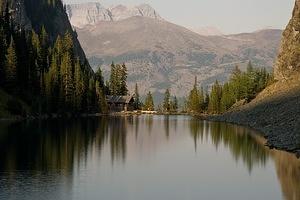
[
  {"x": 81, "y": 15},
  {"x": 160, "y": 54}
]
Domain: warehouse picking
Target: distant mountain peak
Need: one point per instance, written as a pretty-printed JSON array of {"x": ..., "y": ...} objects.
[{"x": 91, "y": 13}]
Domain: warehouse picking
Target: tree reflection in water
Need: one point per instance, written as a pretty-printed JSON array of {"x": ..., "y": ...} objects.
[
  {"x": 239, "y": 140},
  {"x": 246, "y": 145},
  {"x": 58, "y": 146}
]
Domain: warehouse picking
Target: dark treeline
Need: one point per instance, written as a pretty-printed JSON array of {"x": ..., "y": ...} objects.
[
  {"x": 46, "y": 76},
  {"x": 241, "y": 86}
]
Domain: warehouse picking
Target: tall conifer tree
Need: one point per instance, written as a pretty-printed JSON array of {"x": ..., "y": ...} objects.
[
  {"x": 149, "y": 103},
  {"x": 11, "y": 67},
  {"x": 137, "y": 102},
  {"x": 2, "y": 55},
  {"x": 166, "y": 102},
  {"x": 67, "y": 80}
]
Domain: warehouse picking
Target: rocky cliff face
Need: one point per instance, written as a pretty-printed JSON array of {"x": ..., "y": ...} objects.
[
  {"x": 89, "y": 13},
  {"x": 18, "y": 12},
  {"x": 288, "y": 61},
  {"x": 84, "y": 14},
  {"x": 33, "y": 14}
]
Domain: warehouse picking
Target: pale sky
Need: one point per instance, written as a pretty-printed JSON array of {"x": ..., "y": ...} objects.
[{"x": 230, "y": 16}]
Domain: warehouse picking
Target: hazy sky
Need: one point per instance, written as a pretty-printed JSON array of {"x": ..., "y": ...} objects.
[{"x": 230, "y": 16}]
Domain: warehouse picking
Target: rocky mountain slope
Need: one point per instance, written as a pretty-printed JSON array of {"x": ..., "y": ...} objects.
[
  {"x": 276, "y": 110},
  {"x": 161, "y": 55},
  {"x": 81, "y": 15},
  {"x": 207, "y": 31}
]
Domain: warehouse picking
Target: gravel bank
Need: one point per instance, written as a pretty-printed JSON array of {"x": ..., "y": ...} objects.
[{"x": 275, "y": 112}]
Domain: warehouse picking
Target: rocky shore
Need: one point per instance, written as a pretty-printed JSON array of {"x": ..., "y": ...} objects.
[{"x": 275, "y": 112}]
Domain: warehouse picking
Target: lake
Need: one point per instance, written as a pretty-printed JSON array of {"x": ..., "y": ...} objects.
[{"x": 142, "y": 158}]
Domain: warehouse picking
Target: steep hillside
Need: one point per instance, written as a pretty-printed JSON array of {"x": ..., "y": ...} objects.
[
  {"x": 33, "y": 14},
  {"x": 276, "y": 110},
  {"x": 42, "y": 62},
  {"x": 162, "y": 55}
]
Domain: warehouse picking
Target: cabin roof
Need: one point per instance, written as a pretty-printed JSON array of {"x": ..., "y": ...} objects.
[{"x": 119, "y": 99}]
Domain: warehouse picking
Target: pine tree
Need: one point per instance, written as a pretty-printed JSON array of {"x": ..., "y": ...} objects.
[
  {"x": 102, "y": 104},
  {"x": 123, "y": 78},
  {"x": 11, "y": 68},
  {"x": 37, "y": 55},
  {"x": 113, "y": 80},
  {"x": 44, "y": 49},
  {"x": 227, "y": 99},
  {"x": 206, "y": 102},
  {"x": 236, "y": 83},
  {"x": 195, "y": 99},
  {"x": 215, "y": 99},
  {"x": 68, "y": 44},
  {"x": 99, "y": 77},
  {"x": 174, "y": 104},
  {"x": 91, "y": 95},
  {"x": 48, "y": 90},
  {"x": 118, "y": 79},
  {"x": 149, "y": 103},
  {"x": 35, "y": 67},
  {"x": 166, "y": 102},
  {"x": 137, "y": 102},
  {"x": 201, "y": 99},
  {"x": 2, "y": 55},
  {"x": 58, "y": 48},
  {"x": 107, "y": 87},
  {"x": 67, "y": 80},
  {"x": 79, "y": 86}
]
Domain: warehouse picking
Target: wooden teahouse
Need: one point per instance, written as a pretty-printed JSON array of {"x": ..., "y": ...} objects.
[{"x": 120, "y": 103}]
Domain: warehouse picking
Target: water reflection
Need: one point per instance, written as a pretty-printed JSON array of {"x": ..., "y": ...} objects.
[
  {"x": 61, "y": 147},
  {"x": 242, "y": 142},
  {"x": 288, "y": 172},
  {"x": 247, "y": 145},
  {"x": 167, "y": 125}
]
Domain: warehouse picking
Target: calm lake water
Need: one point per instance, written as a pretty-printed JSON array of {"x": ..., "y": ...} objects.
[{"x": 142, "y": 158}]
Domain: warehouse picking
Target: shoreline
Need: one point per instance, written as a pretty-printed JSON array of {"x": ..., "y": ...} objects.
[
  {"x": 267, "y": 135},
  {"x": 276, "y": 139},
  {"x": 85, "y": 115}
]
